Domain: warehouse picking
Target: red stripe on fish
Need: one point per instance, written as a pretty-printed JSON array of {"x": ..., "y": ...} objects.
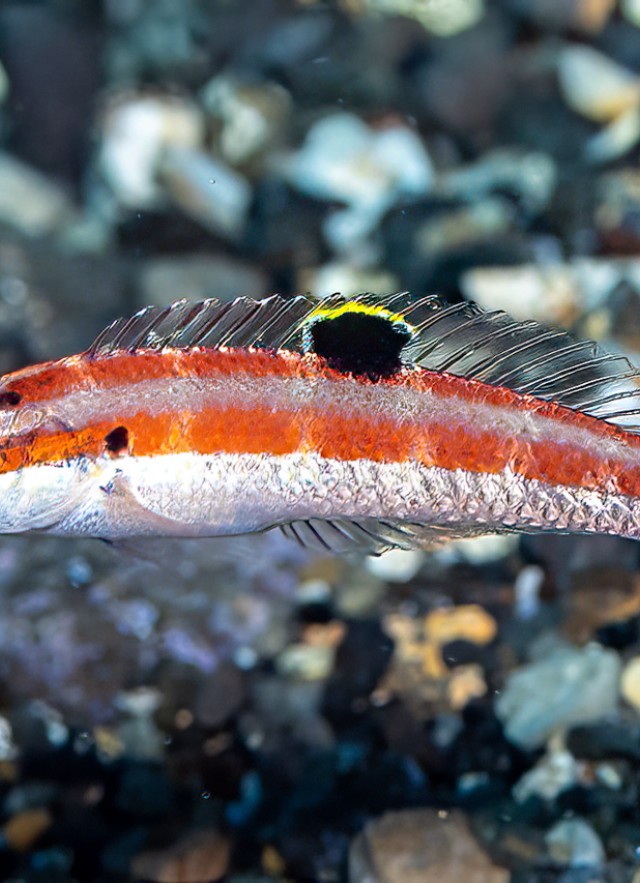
[{"x": 332, "y": 433}]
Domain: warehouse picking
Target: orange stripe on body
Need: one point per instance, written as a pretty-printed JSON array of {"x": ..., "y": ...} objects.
[
  {"x": 332, "y": 435},
  {"x": 118, "y": 370}
]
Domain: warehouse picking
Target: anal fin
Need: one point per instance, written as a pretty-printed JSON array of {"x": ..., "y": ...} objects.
[{"x": 372, "y": 536}]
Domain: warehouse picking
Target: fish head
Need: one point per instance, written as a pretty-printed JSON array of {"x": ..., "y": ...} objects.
[{"x": 42, "y": 475}]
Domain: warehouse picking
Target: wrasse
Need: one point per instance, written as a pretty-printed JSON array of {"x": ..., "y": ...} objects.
[{"x": 351, "y": 424}]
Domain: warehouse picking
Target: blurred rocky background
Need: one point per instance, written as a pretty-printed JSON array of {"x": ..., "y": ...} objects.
[{"x": 254, "y": 712}]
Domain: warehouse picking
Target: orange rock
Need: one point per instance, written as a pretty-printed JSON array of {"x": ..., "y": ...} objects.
[
  {"x": 23, "y": 829},
  {"x": 200, "y": 857},
  {"x": 468, "y": 622}
]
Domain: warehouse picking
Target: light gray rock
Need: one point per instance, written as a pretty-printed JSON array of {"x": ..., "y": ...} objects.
[
  {"x": 196, "y": 277},
  {"x": 574, "y": 843},
  {"x": 29, "y": 201},
  {"x": 569, "y": 686}
]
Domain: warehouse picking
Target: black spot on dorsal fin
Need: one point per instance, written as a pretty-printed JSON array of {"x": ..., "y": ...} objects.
[{"x": 358, "y": 338}]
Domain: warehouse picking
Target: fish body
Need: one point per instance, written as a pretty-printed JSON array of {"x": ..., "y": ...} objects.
[{"x": 156, "y": 432}]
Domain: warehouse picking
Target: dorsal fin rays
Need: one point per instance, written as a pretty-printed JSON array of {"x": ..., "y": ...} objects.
[
  {"x": 458, "y": 338},
  {"x": 543, "y": 362}
]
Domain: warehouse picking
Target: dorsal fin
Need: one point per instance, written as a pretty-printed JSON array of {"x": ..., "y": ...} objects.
[
  {"x": 458, "y": 338},
  {"x": 528, "y": 357},
  {"x": 239, "y": 323}
]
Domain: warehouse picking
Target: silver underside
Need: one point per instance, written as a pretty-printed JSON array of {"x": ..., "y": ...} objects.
[{"x": 197, "y": 495}]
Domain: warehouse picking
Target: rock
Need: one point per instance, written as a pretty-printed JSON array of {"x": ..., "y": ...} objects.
[
  {"x": 631, "y": 11},
  {"x": 618, "y": 739},
  {"x": 555, "y": 772},
  {"x": 616, "y": 139},
  {"x": 4, "y": 84},
  {"x": 566, "y": 687},
  {"x": 206, "y": 189},
  {"x": 306, "y": 662},
  {"x": 252, "y": 115},
  {"x": 594, "y": 85},
  {"x": 140, "y": 737},
  {"x": 396, "y": 566},
  {"x": 532, "y": 176},
  {"x": 347, "y": 278},
  {"x": 198, "y": 857},
  {"x": 630, "y": 682},
  {"x": 528, "y": 292},
  {"x": 442, "y": 19},
  {"x": 466, "y": 683},
  {"x": 344, "y": 160},
  {"x": 134, "y": 132},
  {"x": 602, "y": 90},
  {"x": 29, "y": 201},
  {"x": 527, "y": 592},
  {"x": 22, "y": 830},
  {"x": 574, "y": 843},
  {"x": 476, "y": 550},
  {"x": 8, "y": 749},
  {"x": 562, "y": 292},
  {"x": 468, "y": 622},
  {"x": 163, "y": 280},
  {"x": 464, "y": 227},
  {"x": 421, "y": 846},
  {"x": 588, "y": 16}
]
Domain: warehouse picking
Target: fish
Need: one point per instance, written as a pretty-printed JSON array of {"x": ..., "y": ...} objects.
[{"x": 351, "y": 423}]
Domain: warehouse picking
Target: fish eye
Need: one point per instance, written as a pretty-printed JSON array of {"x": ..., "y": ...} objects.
[
  {"x": 9, "y": 399},
  {"x": 117, "y": 441}
]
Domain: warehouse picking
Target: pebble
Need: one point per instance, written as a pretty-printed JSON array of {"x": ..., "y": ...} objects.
[
  {"x": 22, "y": 830},
  {"x": 396, "y": 565},
  {"x": 138, "y": 733},
  {"x": 346, "y": 277},
  {"x": 134, "y": 132},
  {"x": 463, "y": 227},
  {"x": 544, "y": 293},
  {"x": 476, "y": 550},
  {"x": 468, "y": 622},
  {"x": 252, "y": 116},
  {"x": 444, "y": 19},
  {"x": 344, "y": 160},
  {"x": 466, "y": 683},
  {"x": 630, "y": 682},
  {"x": 616, "y": 139},
  {"x": 595, "y": 86},
  {"x": 306, "y": 662},
  {"x": 7, "y": 747},
  {"x": 526, "y": 589},
  {"x": 196, "y": 277},
  {"x": 631, "y": 11},
  {"x": 421, "y": 846},
  {"x": 4, "y": 84},
  {"x": 555, "y": 772},
  {"x": 198, "y": 857},
  {"x": 206, "y": 189},
  {"x": 588, "y": 16},
  {"x": 30, "y": 202},
  {"x": 569, "y": 686},
  {"x": 573, "y": 843},
  {"x": 531, "y": 175}
]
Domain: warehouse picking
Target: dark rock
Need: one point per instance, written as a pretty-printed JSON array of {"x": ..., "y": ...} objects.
[{"x": 361, "y": 660}]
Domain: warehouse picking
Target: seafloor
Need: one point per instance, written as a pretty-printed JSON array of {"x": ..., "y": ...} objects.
[{"x": 244, "y": 709}]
